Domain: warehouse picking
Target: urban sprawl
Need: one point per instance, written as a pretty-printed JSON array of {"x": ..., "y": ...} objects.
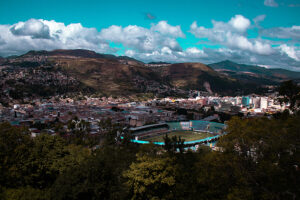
[{"x": 134, "y": 114}]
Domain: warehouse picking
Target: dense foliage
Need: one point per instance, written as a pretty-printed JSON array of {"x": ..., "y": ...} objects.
[{"x": 258, "y": 159}]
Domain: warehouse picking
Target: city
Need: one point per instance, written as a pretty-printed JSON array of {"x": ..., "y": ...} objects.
[
  {"x": 135, "y": 114},
  {"x": 149, "y": 100}
]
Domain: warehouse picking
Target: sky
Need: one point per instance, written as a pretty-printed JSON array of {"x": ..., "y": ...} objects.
[{"x": 257, "y": 32}]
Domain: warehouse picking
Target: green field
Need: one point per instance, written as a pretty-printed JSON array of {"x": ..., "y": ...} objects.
[{"x": 186, "y": 135}]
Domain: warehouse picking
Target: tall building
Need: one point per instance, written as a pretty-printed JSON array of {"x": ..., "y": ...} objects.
[
  {"x": 256, "y": 102},
  {"x": 245, "y": 101},
  {"x": 263, "y": 103}
]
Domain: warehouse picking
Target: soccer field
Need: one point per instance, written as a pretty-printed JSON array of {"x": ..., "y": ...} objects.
[{"x": 186, "y": 135}]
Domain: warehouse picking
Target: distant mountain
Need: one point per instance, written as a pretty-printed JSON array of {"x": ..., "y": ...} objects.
[
  {"x": 128, "y": 58},
  {"x": 12, "y": 56},
  {"x": 106, "y": 74},
  {"x": 69, "y": 52},
  {"x": 254, "y": 74},
  {"x": 159, "y": 63}
]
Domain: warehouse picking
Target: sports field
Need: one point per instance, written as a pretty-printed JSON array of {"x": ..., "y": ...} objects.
[{"x": 186, "y": 135}]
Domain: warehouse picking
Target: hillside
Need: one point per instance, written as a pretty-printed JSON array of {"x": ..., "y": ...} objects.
[
  {"x": 197, "y": 76},
  {"x": 254, "y": 74},
  {"x": 99, "y": 74},
  {"x": 104, "y": 74}
]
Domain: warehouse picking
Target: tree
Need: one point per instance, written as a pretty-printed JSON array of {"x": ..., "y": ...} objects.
[
  {"x": 98, "y": 177},
  {"x": 269, "y": 149},
  {"x": 152, "y": 177},
  {"x": 25, "y": 193},
  {"x": 42, "y": 165},
  {"x": 222, "y": 176},
  {"x": 291, "y": 94},
  {"x": 173, "y": 144},
  {"x": 15, "y": 144}
]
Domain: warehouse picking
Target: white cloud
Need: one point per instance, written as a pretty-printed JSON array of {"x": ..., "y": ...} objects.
[
  {"x": 130, "y": 53},
  {"x": 164, "y": 28},
  {"x": 34, "y": 28},
  {"x": 143, "y": 39},
  {"x": 290, "y": 51},
  {"x": 232, "y": 35},
  {"x": 48, "y": 35},
  {"x": 39, "y": 34},
  {"x": 240, "y": 23},
  {"x": 270, "y": 3},
  {"x": 194, "y": 50},
  {"x": 191, "y": 54},
  {"x": 166, "y": 50}
]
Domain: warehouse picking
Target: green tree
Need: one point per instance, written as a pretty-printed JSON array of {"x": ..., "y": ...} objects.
[
  {"x": 42, "y": 162},
  {"x": 99, "y": 177},
  {"x": 152, "y": 177},
  {"x": 15, "y": 144},
  {"x": 269, "y": 149},
  {"x": 25, "y": 193}
]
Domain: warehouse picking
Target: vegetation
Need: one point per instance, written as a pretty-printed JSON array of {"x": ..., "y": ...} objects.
[
  {"x": 259, "y": 160},
  {"x": 290, "y": 93}
]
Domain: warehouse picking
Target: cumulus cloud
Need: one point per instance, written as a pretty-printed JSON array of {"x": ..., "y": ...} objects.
[
  {"x": 239, "y": 23},
  {"x": 232, "y": 34},
  {"x": 270, "y": 3},
  {"x": 143, "y": 39},
  {"x": 290, "y": 51},
  {"x": 191, "y": 54},
  {"x": 38, "y": 34},
  {"x": 237, "y": 46},
  {"x": 164, "y": 28},
  {"x": 34, "y": 28}
]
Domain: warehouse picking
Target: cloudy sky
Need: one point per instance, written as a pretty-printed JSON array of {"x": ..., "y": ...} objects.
[{"x": 260, "y": 32}]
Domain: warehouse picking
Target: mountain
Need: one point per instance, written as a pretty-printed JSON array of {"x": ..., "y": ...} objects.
[
  {"x": 158, "y": 63},
  {"x": 197, "y": 76},
  {"x": 69, "y": 52},
  {"x": 254, "y": 74},
  {"x": 65, "y": 71}
]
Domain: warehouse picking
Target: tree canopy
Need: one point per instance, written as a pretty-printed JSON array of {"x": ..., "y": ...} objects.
[{"x": 258, "y": 158}]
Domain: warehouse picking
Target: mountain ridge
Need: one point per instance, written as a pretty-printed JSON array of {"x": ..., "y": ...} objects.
[
  {"x": 252, "y": 73},
  {"x": 106, "y": 74}
]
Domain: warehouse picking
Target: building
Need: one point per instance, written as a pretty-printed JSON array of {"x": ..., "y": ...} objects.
[
  {"x": 246, "y": 101},
  {"x": 263, "y": 103}
]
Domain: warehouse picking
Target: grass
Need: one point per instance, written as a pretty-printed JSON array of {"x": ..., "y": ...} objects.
[{"x": 186, "y": 135}]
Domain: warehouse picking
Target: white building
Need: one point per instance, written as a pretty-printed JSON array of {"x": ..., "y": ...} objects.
[{"x": 263, "y": 103}]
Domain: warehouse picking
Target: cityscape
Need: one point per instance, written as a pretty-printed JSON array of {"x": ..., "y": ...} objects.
[{"x": 149, "y": 100}]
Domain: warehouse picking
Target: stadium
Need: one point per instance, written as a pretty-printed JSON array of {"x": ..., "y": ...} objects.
[{"x": 193, "y": 132}]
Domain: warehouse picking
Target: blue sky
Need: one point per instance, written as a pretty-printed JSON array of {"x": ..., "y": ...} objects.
[{"x": 260, "y": 32}]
